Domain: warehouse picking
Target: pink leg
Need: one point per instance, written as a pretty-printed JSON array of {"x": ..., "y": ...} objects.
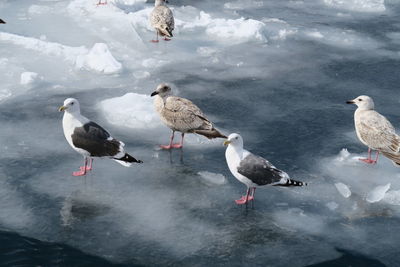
[
  {"x": 82, "y": 170},
  {"x": 89, "y": 166},
  {"x": 155, "y": 41},
  {"x": 244, "y": 199},
  {"x": 180, "y": 145},
  {"x": 170, "y": 142},
  {"x": 100, "y": 3},
  {"x": 369, "y": 160},
  {"x": 166, "y": 39}
]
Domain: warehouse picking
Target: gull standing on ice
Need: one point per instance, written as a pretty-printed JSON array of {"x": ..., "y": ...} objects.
[
  {"x": 375, "y": 131},
  {"x": 181, "y": 115},
  {"x": 252, "y": 170},
  {"x": 162, "y": 20},
  {"x": 90, "y": 139}
]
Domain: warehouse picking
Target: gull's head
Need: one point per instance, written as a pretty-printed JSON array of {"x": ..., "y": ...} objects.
[
  {"x": 70, "y": 105},
  {"x": 162, "y": 90},
  {"x": 234, "y": 140},
  {"x": 363, "y": 102},
  {"x": 160, "y": 2}
]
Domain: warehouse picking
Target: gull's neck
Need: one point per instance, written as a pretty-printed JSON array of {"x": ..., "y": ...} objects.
[
  {"x": 159, "y": 3},
  {"x": 76, "y": 115},
  {"x": 235, "y": 151}
]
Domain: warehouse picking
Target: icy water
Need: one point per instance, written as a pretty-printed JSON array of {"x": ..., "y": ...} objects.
[{"x": 277, "y": 72}]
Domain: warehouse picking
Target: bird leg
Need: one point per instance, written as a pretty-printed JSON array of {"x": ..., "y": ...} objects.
[
  {"x": 246, "y": 198},
  {"x": 82, "y": 170},
  {"x": 369, "y": 160},
  {"x": 180, "y": 145},
  {"x": 89, "y": 166},
  {"x": 155, "y": 41},
  {"x": 100, "y": 3},
  {"x": 170, "y": 142}
]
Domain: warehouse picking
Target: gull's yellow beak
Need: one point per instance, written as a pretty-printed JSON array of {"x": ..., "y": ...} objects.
[
  {"x": 227, "y": 142},
  {"x": 62, "y": 108}
]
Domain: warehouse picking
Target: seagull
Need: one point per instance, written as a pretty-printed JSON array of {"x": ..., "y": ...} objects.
[
  {"x": 181, "y": 115},
  {"x": 375, "y": 131},
  {"x": 252, "y": 170},
  {"x": 2, "y": 21},
  {"x": 162, "y": 20},
  {"x": 90, "y": 139}
]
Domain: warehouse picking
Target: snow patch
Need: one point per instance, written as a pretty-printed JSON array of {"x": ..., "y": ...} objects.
[
  {"x": 29, "y": 78},
  {"x": 343, "y": 189},
  {"x": 99, "y": 59},
  {"x": 132, "y": 110},
  {"x": 358, "y": 5},
  {"x": 378, "y": 193},
  {"x": 212, "y": 178}
]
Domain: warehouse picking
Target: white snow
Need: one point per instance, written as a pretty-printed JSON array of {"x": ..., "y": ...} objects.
[
  {"x": 99, "y": 59},
  {"x": 378, "y": 193},
  {"x": 212, "y": 178},
  {"x": 343, "y": 189},
  {"x": 28, "y": 78},
  {"x": 131, "y": 110},
  {"x": 358, "y": 5}
]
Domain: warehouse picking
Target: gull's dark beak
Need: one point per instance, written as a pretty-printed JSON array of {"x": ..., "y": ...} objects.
[
  {"x": 62, "y": 108},
  {"x": 154, "y": 93},
  {"x": 2, "y": 21},
  {"x": 350, "y": 102}
]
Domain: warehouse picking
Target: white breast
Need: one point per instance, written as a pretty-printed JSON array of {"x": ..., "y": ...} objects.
[
  {"x": 70, "y": 122},
  {"x": 233, "y": 159}
]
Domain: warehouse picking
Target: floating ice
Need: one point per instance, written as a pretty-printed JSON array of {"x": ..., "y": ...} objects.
[
  {"x": 358, "y": 5},
  {"x": 99, "y": 59},
  {"x": 378, "y": 193},
  {"x": 49, "y": 48},
  {"x": 392, "y": 197},
  {"x": 343, "y": 189},
  {"x": 28, "y": 78},
  {"x": 131, "y": 110},
  {"x": 212, "y": 178}
]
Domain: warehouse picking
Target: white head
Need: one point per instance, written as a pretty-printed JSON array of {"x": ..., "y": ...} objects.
[
  {"x": 162, "y": 90},
  {"x": 363, "y": 102},
  {"x": 71, "y": 105},
  {"x": 160, "y": 2},
  {"x": 234, "y": 140}
]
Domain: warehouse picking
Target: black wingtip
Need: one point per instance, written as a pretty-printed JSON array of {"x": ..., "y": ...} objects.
[{"x": 2, "y": 21}]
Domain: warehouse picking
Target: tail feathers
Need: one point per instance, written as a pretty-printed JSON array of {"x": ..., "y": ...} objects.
[
  {"x": 291, "y": 182},
  {"x": 165, "y": 31},
  {"x": 395, "y": 158},
  {"x": 210, "y": 134},
  {"x": 127, "y": 160}
]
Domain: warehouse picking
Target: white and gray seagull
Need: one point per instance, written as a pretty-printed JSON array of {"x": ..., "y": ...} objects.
[
  {"x": 375, "y": 131},
  {"x": 181, "y": 115},
  {"x": 162, "y": 20},
  {"x": 252, "y": 170},
  {"x": 90, "y": 139}
]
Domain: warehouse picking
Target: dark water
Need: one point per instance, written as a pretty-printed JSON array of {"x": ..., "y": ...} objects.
[{"x": 288, "y": 103}]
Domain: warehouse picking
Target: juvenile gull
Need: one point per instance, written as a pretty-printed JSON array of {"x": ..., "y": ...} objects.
[
  {"x": 375, "y": 131},
  {"x": 252, "y": 170},
  {"x": 162, "y": 20},
  {"x": 90, "y": 139},
  {"x": 181, "y": 115}
]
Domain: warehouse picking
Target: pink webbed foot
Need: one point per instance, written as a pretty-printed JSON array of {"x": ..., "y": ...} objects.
[
  {"x": 368, "y": 161},
  {"x": 166, "y": 39},
  {"x": 243, "y": 200},
  {"x": 154, "y": 41},
  {"x": 79, "y": 173},
  {"x": 177, "y": 146},
  {"x": 88, "y": 168},
  {"x": 165, "y": 147}
]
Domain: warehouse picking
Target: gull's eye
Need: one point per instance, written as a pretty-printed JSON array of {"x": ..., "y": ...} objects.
[
  {"x": 72, "y": 103},
  {"x": 236, "y": 137},
  {"x": 359, "y": 99}
]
